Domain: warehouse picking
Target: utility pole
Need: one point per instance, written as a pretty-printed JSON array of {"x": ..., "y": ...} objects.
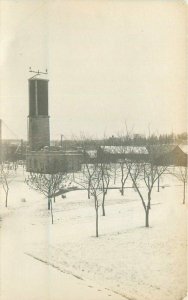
[{"x": 61, "y": 140}]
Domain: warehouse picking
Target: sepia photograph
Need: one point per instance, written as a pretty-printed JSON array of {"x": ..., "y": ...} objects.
[{"x": 93, "y": 149}]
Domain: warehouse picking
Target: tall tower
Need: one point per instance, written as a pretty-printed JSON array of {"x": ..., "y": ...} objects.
[{"x": 38, "y": 119}]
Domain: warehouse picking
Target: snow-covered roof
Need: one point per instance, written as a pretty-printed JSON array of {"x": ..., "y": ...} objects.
[
  {"x": 184, "y": 148},
  {"x": 125, "y": 149},
  {"x": 92, "y": 153}
]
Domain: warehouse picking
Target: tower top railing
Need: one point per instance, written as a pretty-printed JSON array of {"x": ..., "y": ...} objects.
[{"x": 37, "y": 73}]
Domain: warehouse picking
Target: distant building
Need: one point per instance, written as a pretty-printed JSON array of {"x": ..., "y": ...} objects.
[
  {"x": 160, "y": 154},
  {"x": 116, "y": 153},
  {"x": 13, "y": 150},
  {"x": 168, "y": 155}
]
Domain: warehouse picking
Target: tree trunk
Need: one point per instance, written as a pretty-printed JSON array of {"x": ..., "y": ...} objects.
[
  {"x": 122, "y": 189},
  {"x": 158, "y": 185},
  {"x": 122, "y": 181},
  {"x": 51, "y": 211},
  {"x": 97, "y": 221},
  {"x": 54, "y": 199},
  {"x": 184, "y": 192},
  {"x": 115, "y": 175},
  {"x": 147, "y": 218},
  {"x": 103, "y": 209},
  {"x": 6, "y": 202},
  {"x": 88, "y": 190},
  {"x": 49, "y": 203},
  {"x": 97, "y": 217},
  {"x": 149, "y": 200}
]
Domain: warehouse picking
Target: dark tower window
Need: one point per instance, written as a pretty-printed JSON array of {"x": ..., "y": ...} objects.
[
  {"x": 38, "y": 97},
  {"x": 32, "y": 102},
  {"x": 42, "y": 88}
]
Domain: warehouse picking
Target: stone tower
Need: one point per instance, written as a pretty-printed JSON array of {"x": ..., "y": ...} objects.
[{"x": 38, "y": 119}]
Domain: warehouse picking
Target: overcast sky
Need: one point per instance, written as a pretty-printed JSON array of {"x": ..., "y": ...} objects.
[{"x": 109, "y": 62}]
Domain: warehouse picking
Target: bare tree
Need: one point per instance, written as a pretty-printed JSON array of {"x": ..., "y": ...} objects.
[
  {"x": 104, "y": 166},
  {"x": 145, "y": 174},
  {"x": 180, "y": 173},
  {"x": 105, "y": 178},
  {"x": 47, "y": 184},
  {"x": 88, "y": 174},
  {"x": 96, "y": 188},
  {"x": 6, "y": 176},
  {"x": 84, "y": 178},
  {"x": 119, "y": 166},
  {"x": 126, "y": 154},
  {"x": 115, "y": 171},
  {"x": 92, "y": 177},
  {"x": 123, "y": 151},
  {"x": 89, "y": 155},
  {"x": 124, "y": 173}
]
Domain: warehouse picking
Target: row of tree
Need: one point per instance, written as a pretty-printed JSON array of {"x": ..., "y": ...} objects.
[
  {"x": 127, "y": 139},
  {"x": 97, "y": 178},
  {"x": 143, "y": 140}
]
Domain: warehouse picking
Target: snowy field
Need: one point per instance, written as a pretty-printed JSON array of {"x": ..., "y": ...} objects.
[{"x": 127, "y": 260}]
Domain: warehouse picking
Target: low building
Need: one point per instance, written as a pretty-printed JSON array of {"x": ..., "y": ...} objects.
[
  {"x": 168, "y": 155},
  {"x": 116, "y": 153},
  {"x": 49, "y": 162}
]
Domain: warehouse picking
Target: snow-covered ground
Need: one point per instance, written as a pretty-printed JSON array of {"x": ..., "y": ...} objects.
[{"x": 127, "y": 260}]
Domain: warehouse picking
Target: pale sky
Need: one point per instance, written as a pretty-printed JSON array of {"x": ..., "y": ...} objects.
[{"x": 109, "y": 62}]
